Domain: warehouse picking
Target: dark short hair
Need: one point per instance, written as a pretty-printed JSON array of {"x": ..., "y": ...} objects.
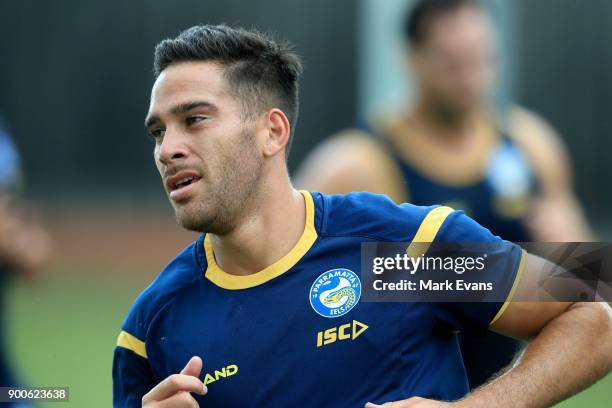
[
  {"x": 425, "y": 10},
  {"x": 261, "y": 71}
]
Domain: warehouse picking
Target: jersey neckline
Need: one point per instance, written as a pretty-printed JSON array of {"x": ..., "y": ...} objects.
[
  {"x": 225, "y": 280},
  {"x": 436, "y": 164}
]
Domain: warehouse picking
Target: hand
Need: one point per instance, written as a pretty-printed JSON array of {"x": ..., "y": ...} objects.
[
  {"x": 414, "y": 402},
  {"x": 174, "y": 391},
  {"x": 24, "y": 245}
]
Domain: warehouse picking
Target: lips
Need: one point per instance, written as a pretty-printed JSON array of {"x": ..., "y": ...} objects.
[{"x": 182, "y": 182}]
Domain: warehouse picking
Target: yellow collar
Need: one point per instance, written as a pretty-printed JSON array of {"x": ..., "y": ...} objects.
[{"x": 228, "y": 281}]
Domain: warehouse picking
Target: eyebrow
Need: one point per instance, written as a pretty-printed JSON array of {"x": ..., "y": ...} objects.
[{"x": 181, "y": 108}]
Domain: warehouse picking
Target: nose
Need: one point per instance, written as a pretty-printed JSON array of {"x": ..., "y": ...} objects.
[{"x": 172, "y": 148}]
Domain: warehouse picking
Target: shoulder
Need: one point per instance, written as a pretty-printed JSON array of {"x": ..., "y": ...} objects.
[
  {"x": 351, "y": 160},
  {"x": 457, "y": 227},
  {"x": 353, "y": 140},
  {"x": 348, "y": 150},
  {"x": 375, "y": 216},
  {"x": 180, "y": 273},
  {"x": 10, "y": 162},
  {"x": 371, "y": 215},
  {"x": 532, "y": 131}
]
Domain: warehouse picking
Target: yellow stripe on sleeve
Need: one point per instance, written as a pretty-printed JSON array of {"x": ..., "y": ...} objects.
[
  {"x": 517, "y": 280},
  {"x": 126, "y": 340},
  {"x": 428, "y": 230}
]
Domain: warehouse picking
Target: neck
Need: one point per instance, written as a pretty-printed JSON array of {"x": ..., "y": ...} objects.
[
  {"x": 443, "y": 122},
  {"x": 273, "y": 224}
]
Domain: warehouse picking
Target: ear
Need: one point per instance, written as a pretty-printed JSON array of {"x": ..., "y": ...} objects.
[{"x": 279, "y": 131}]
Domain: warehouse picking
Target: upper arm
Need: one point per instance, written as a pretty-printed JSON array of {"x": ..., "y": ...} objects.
[
  {"x": 543, "y": 146},
  {"x": 556, "y": 214},
  {"x": 525, "y": 317},
  {"x": 502, "y": 269},
  {"x": 517, "y": 277},
  {"x": 351, "y": 161},
  {"x": 132, "y": 374}
]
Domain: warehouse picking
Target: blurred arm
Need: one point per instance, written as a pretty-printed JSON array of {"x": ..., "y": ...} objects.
[
  {"x": 557, "y": 215},
  {"x": 351, "y": 161},
  {"x": 24, "y": 245}
]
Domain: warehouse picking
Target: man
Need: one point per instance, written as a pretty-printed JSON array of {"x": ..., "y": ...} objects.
[
  {"x": 448, "y": 148},
  {"x": 24, "y": 245},
  {"x": 263, "y": 309}
]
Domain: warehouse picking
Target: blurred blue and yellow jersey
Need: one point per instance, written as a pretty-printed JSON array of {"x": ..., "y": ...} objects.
[
  {"x": 498, "y": 197},
  {"x": 267, "y": 339}
]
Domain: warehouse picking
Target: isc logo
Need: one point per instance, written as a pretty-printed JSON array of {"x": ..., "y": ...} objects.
[
  {"x": 348, "y": 331},
  {"x": 224, "y": 372}
]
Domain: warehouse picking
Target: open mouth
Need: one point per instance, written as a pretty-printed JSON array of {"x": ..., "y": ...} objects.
[
  {"x": 180, "y": 184},
  {"x": 184, "y": 182}
]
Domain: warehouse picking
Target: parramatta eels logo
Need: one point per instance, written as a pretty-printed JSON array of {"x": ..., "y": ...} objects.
[{"x": 335, "y": 292}]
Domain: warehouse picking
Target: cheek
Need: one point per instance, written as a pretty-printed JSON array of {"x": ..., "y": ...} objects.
[
  {"x": 223, "y": 154},
  {"x": 158, "y": 164},
  {"x": 228, "y": 145}
]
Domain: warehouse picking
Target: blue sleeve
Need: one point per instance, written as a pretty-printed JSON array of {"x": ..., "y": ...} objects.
[
  {"x": 132, "y": 378},
  {"x": 132, "y": 373},
  {"x": 507, "y": 260},
  {"x": 133, "y": 367}
]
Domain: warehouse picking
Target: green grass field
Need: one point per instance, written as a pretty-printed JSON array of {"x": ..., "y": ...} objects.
[{"x": 63, "y": 334}]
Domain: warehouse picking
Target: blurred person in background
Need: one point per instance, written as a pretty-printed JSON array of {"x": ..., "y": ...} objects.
[
  {"x": 24, "y": 244},
  {"x": 507, "y": 171}
]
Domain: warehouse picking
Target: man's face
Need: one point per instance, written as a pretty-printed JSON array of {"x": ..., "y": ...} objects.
[
  {"x": 205, "y": 148},
  {"x": 456, "y": 62}
]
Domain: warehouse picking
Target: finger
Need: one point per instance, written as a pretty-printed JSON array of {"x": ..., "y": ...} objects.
[
  {"x": 173, "y": 384},
  {"x": 179, "y": 400},
  {"x": 193, "y": 367},
  {"x": 395, "y": 404}
]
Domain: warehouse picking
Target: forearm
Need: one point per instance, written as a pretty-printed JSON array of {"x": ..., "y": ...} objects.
[{"x": 570, "y": 353}]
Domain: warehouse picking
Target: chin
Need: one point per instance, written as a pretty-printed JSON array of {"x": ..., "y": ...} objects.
[
  {"x": 190, "y": 218},
  {"x": 192, "y": 223},
  {"x": 199, "y": 220}
]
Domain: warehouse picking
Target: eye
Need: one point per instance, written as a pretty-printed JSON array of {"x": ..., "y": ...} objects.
[
  {"x": 158, "y": 133},
  {"x": 194, "y": 119}
]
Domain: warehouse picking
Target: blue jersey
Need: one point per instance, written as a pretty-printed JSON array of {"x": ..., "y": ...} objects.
[
  {"x": 264, "y": 338},
  {"x": 499, "y": 200}
]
